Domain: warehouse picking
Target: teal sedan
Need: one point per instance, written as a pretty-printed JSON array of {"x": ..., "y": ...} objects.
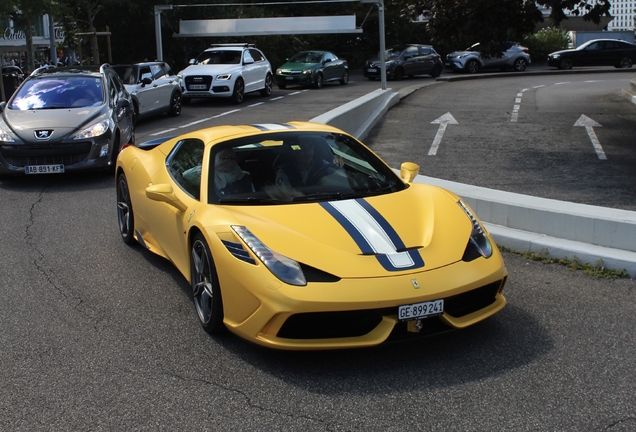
[{"x": 312, "y": 68}]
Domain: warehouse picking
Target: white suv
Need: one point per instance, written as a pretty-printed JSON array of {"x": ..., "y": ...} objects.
[{"x": 227, "y": 70}]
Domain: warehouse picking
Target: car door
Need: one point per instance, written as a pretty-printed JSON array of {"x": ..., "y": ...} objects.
[
  {"x": 167, "y": 223},
  {"x": 332, "y": 66},
  {"x": 426, "y": 60},
  {"x": 260, "y": 66},
  {"x": 410, "y": 61},
  {"x": 162, "y": 86},
  {"x": 250, "y": 72},
  {"x": 123, "y": 115},
  {"x": 593, "y": 55},
  {"x": 494, "y": 62},
  {"x": 147, "y": 94}
]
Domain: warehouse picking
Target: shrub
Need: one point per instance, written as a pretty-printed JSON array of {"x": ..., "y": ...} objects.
[{"x": 546, "y": 41}]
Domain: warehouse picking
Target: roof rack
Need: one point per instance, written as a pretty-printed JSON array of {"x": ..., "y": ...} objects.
[{"x": 244, "y": 45}]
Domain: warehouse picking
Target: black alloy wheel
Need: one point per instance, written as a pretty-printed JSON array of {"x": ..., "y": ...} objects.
[
  {"x": 319, "y": 81},
  {"x": 175, "y": 104},
  {"x": 125, "y": 217},
  {"x": 345, "y": 78},
  {"x": 625, "y": 63},
  {"x": 269, "y": 83},
  {"x": 472, "y": 66},
  {"x": 566, "y": 63},
  {"x": 206, "y": 292},
  {"x": 239, "y": 91}
]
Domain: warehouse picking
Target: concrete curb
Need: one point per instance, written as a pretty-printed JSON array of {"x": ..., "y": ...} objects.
[{"x": 590, "y": 234}]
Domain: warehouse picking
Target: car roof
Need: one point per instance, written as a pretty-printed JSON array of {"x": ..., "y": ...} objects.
[
  {"x": 91, "y": 70},
  {"x": 230, "y": 47}
]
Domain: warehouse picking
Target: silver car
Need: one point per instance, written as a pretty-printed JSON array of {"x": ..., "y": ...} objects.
[
  {"x": 470, "y": 60},
  {"x": 155, "y": 89}
]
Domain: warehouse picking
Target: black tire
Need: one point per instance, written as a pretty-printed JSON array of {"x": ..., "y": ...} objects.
[
  {"x": 319, "y": 81},
  {"x": 239, "y": 91},
  {"x": 175, "y": 104},
  {"x": 115, "y": 151},
  {"x": 135, "y": 114},
  {"x": 520, "y": 65},
  {"x": 437, "y": 71},
  {"x": 125, "y": 216},
  {"x": 472, "y": 66},
  {"x": 566, "y": 63},
  {"x": 398, "y": 74},
  {"x": 206, "y": 292},
  {"x": 345, "y": 78},
  {"x": 186, "y": 100},
  {"x": 282, "y": 86},
  {"x": 269, "y": 83},
  {"x": 625, "y": 63}
]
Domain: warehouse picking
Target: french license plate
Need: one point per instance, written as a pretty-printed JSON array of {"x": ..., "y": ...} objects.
[
  {"x": 44, "y": 169},
  {"x": 372, "y": 70},
  {"x": 197, "y": 87},
  {"x": 421, "y": 310}
]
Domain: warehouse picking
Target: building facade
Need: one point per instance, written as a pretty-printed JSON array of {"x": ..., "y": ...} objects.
[{"x": 13, "y": 43}]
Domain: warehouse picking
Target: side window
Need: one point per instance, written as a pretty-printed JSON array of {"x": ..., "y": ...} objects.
[
  {"x": 247, "y": 56},
  {"x": 329, "y": 56},
  {"x": 410, "y": 52},
  {"x": 113, "y": 91},
  {"x": 166, "y": 69},
  {"x": 145, "y": 72},
  {"x": 157, "y": 71},
  {"x": 256, "y": 55},
  {"x": 184, "y": 165},
  {"x": 425, "y": 50}
]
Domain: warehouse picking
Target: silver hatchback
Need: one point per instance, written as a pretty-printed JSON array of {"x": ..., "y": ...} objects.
[{"x": 515, "y": 57}]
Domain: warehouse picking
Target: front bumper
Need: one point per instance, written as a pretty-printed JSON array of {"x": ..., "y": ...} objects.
[
  {"x": 206, "y": 87},
  {"x": 353, "y": 313},
  {"x": 455, "y": 65},
  {"x": 74, "y": 156},
  {"x": 294, "y": 79}
]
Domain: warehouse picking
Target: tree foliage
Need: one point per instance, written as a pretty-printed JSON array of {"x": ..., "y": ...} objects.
[{"x": 590, "y": 10}]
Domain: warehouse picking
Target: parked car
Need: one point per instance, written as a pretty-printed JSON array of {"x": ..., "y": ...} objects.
[
  {"x": 65, "y": 119},
  {"x": 227, "y": 71},
  {"x": 297, "y": 236},
  {"x": 154, "y": 88},
  {"x": 515, "y": 57},
  {"x": 312, "y": 68},
  {"x": 405, "y": 60},
  {"x": 596, "y": 52}
]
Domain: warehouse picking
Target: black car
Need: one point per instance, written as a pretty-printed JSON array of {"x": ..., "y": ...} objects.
[
  {"x": 65, "y": 119},
  {"x": 597, "y": 52},
  {"x": 406, "y": 60}
]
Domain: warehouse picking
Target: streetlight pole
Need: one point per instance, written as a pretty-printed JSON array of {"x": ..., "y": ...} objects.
[
  {"x": 380, "y": 4},
  {"x": 158, "y": 10}
]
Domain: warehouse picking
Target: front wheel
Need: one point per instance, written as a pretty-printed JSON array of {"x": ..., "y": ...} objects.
[
  {"x": 345, "y": 78},
  {"x": 437, "y": 71},
  {"x": 206, "y": 292},
  {"x": 472, "y": 66},
  {"x": 566, "y": 63},
  {"x": 125, "y": 216},
  {"x": 239, "y": 92},
  {"x": 319, "y": 81},
  {"x": 625, "y": 63},
  {"x": 520, "y": 65},
  {"x": 269, "y": 83},
  {"x": 175, "y": 104}
]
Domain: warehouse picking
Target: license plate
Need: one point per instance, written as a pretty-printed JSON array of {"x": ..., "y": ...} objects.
[
  {"x": 372, "y": 70},
  {"x": 197, "y": 87},
  {"x": 44, "y": 169},
  {"x": 289, "y": 78},
  {"x": 421, "y": 310}
]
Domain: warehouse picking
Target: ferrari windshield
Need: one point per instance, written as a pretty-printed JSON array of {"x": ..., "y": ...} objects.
[
  {"x": 294, "y": 167},
  {"x": 58, "y": 93}
]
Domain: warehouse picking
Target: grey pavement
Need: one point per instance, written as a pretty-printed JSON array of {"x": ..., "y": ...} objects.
[{"x": 590, "y": 234}]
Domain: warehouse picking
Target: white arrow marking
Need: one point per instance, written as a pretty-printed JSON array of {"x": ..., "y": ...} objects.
[
  {"x": 589, "y": 124},
  {"x": 444, "y": 120}
]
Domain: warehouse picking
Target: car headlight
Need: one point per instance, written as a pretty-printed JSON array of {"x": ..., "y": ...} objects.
[
  {"x": 555, "y": 56},
  {"x": 285, "y": 269},
  {"x": 390, "y": 63},
  {"x": 478, "y": 236},
  {"x": 307, "y": 71},
  {"x": 463, "y": 55},
  {"x": 5, "y": 136},
  {"x": 95, "y": 130},
  {"x": 224, "y": 77},
  {"x": 278, "y": 72}
]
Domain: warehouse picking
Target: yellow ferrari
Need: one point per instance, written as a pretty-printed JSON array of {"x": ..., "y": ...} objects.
[{"x": 297, "y": 236}]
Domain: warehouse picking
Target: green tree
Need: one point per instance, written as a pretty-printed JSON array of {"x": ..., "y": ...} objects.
[{"x": 591, "y": 10}]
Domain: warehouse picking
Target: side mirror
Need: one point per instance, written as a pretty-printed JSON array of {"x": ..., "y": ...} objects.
[
  {"x": 146, "y": 81},
  {"x": 192, "y": 61},
  {"x": 408, "y": 171},
  {"x": 165, "y": 193}
]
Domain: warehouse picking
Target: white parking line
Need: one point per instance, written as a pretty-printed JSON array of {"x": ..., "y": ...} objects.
[
  {"x": 162, "y": 132},
  {"x": 226, "y": 113},
  {"x": 195, "y": 122},
  {"x": 276, "y": 98},
  {"x": 256, "y": 104},
  {"x": 295, "y": 93}
]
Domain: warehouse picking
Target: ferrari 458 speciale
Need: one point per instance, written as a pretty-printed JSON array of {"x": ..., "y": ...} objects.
[{"x": 297, "y": 236}]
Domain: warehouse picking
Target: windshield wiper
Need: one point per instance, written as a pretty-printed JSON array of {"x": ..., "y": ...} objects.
[{"x": 318, "y": 196}]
